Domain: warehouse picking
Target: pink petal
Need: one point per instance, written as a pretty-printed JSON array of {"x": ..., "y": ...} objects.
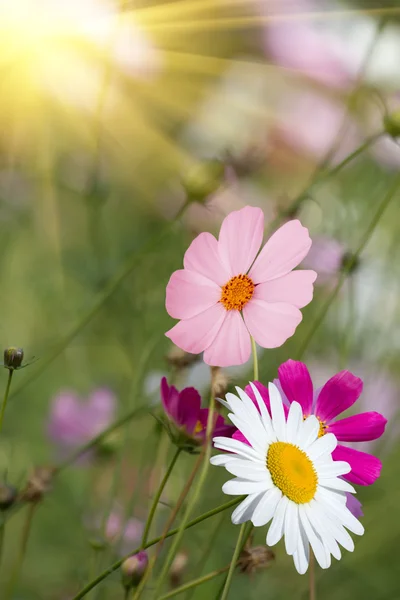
[
  {"x": 297, "y": 385},
  {"x": 359, "y": 428},
  {"x": 220, "y": 429},
  {"x": 271, "y": 324},
  {"x": 169, "y": 399},
  {"x": 202, "y": 257},
  {"x": 365, "y": 468},
  {"x": 337, "y": 395},
  {"x": 188, "y": 408},
  {"x": 264, "y": 395},
  {"x": 238, "y": 435},
  {"x": 285, "y": 249},
  {"x": 231, "y": 345},
  {"x": 354, "y": 505},
  {"x": 294, "y": 288},
  {"x": 240, "y": 239},
  {"x": 196, "y": 334},
  {"x": 189, "y": 293}
]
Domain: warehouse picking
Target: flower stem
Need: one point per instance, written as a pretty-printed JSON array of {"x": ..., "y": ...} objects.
[
  {"x": 158, "y": 496},
  {"x": 112, "y": 568},
  {"x": 5, "y": 398},
  {"x": 364, "y": 240},
  {"x": 194, "y": 583},
  {"x": 206, "y": 453},
  {"x": 312, "y": 576},
  {"x": 22, "y": 551},
  {"x": 255, "y": 358},
  {"x": 232, "y": 566}
]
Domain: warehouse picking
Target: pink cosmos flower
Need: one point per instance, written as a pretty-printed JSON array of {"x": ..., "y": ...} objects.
[
  {"x": 184, "y": 411},
  {"x": 73, "y": 421},
  {"x": 129, "y": 531},
  {"x": 337, "y": 395},
  {"x": 226, "y": 293}
]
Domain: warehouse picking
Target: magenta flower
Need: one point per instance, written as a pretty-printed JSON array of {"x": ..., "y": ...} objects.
[
  {"x": 337, "y": 395},
  {"x": 188, "y": 419},
  {"x": 74, "y": 422},
  {"x": 225, "y": 293}
]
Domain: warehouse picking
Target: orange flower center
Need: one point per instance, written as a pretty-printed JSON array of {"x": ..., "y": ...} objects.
[{"x": 237, "y": 292}]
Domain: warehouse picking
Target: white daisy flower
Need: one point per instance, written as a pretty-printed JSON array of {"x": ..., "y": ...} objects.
[{"x": 288, "y": 475}]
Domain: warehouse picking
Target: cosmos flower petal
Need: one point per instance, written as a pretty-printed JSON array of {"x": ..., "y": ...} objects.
[
  {"x": 359, "y": 428},
  {"x": 231, "y": 346},
  {"x": 285, "y": 249},
  {"x": 276, "y": 529},
  {"x": 291, "y": 528},
  {"x": 295, "y": 288},
  {"x": 296, "y": 384},
  {"x": 244, "y": 511},
  {"x": 240, "y": 239},
  {"x": 202, "y": 257},
  {"x": 323, "y": 445},
  {"x": 189, "y": 294},
  {"x": 337, "y": 395},
  {"x": 365, "y": 468},
  {"x": 278, "y": 416},
  {"x": 271, "y": 324},
  {"x": 266, "y": 507},
  {"x": 198, "y": 333},
  {"x": 354, "y": 506}
]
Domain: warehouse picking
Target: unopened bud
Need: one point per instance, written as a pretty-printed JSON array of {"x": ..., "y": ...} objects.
[
  {"x": 391, "y": 123},
  {"x": 133, "y": 568},
  {"x": 203, "y": 179},
  {"x": 8, "y": 495},
  {"x": 255, "y": 559},
  {"x": 38, "y": 484},
  {"x": 180, "y": 359},
  {"x": 13, "y": 357},
  {"x": 178, "y": 568},
  {"x": 98, "y": 543},
  {"x": 219, "y": 382}
]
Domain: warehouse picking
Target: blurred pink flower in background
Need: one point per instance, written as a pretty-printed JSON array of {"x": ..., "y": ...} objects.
[
  {"x": 126, "y": 532},
  {"x": 74, "y": 421},
  {"x": 326, "y": 257}
]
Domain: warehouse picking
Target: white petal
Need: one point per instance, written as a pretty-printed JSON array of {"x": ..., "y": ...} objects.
[
  {"x": 337, "y": 530},
  {"x": 224, "y": 403},
  {"x": 249, "y": 470},
  {"x": 335, "y": 483},
  {"x": 245, "y": 509},
  {"x": 237, "y": 487},
  {"x": 238, "y": 408},
  {"x": 332, "y": 468},
  {"x": 256, "y": 438},
  {"x": 265, "y": 417},
  {"x": 294, "y": 422},
  {"x": 248, "y": 404},
  {"x": 340, "y": 511},
  {"x": 308, "y": 432},
  {"x": 301, "y": 557},
  {"x": 266, "y": 507},
  {"x": 323, "y": 445},
  {"x": 320, "y": 526},
  {"x": 220, "y": 460},
  {"x": 277, "y": 412},
  {"x": 238, "y": 447},
  {"x": 314, "y": 539},
  {"x": 291, "y": 527},
  {"x": 275, "y": 532}
]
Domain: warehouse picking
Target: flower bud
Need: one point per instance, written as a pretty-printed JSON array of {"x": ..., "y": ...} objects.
[
  {"x": 38, "y": 484},
  {"x": 203, "y": 179},
  {"x": 219, "y": 382},
  {"x": 255, "y": 558},
  {"x": 8, "y": 495},
  {"x": 180, "y": 359},
  {"x": 133, "y": 568},
  {"x": 391, "y": 123},
  {"x": 13, "y": 357},
  {"x": 178, "y": 568}
]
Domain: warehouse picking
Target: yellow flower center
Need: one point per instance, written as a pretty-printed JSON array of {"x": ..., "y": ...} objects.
[
  {"x": 198, "y": 427},
  {"x": 322, "y": 426},
  {"x": 292, "y": 472},
  {"x": 237, "y": 292}
]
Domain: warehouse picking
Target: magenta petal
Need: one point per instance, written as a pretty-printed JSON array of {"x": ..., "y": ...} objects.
[
  {"x": 354, "y": 505},
  {"x": 238, "y": 435},
  {"x": 220, "y": 429},
  {"x": 263, "y": 393},
  {"x": 188, "y": 408},
  {"x": 359, "y": 428},
  {"x": 196, "y": 334},
  {"x": 231, "y": 345},
  {"x": 365, "y": 468},
  {"x": 337, "y": 395},
  {"x": 169, "y": 399},
  {"x": 240, "y": 239},
  {"x": 297, "y": 385},
  {"x": 189, "y": 293}
]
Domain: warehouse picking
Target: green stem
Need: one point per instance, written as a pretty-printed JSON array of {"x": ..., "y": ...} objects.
[
  {"x": 193, "y": 500},
  {"x": 255, "y": 359},
  {"x": 364, "y": 240},
  {"x": 5, "y": 398},
  {"x": 118, "y": 563},
  {"x": 22, "y": 551},
  {"x": 192, "y": 584},
  {"x": 158, "y": 496},
  {"x": 312, "y": 595},
  {"x": 364, "y": 146},
  {"x": 234, "y": 560}
]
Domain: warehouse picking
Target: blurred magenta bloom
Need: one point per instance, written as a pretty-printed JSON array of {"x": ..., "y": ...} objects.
[
  {"x": 74, "y": 421},
  {"x": 228, "y": 291},
  {"x": 184, "y": 411},
  {"x": 338, "y": 394},
  {"x": 133, "y": 568},
  {"x": 127, "y": 532}
]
